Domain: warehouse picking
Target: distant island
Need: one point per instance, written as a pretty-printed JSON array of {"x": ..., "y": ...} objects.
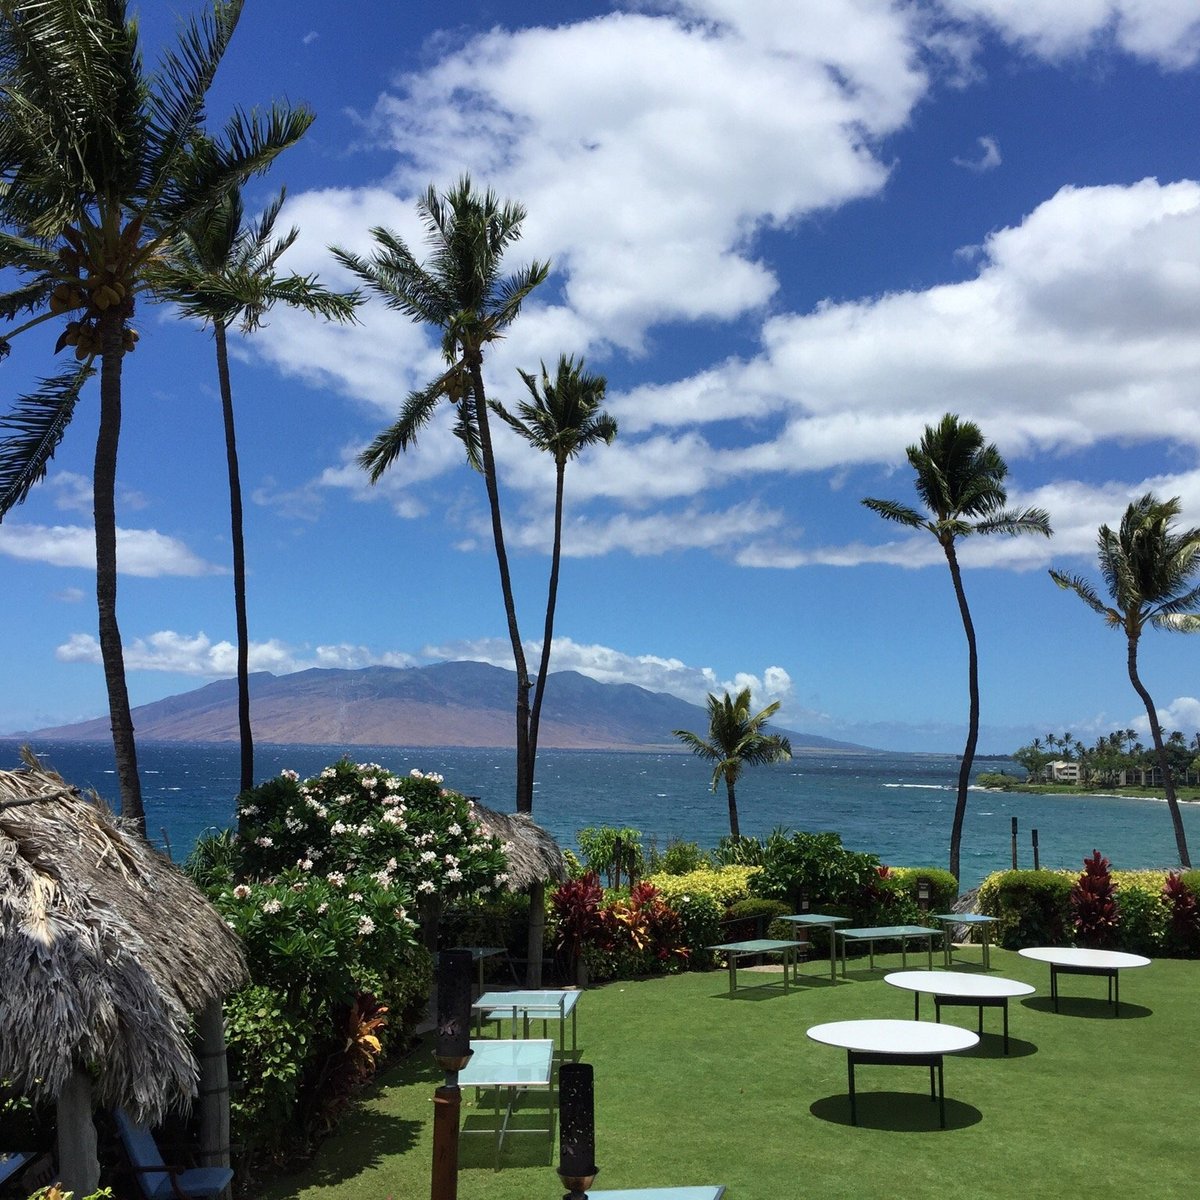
[{"x": 468, "y": 704}]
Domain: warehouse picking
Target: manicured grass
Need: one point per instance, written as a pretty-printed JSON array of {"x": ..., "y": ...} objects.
[{"x": 694, "y": 1087}]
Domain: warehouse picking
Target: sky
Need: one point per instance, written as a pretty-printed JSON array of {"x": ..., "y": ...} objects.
[{"x": 790, "y": 236}]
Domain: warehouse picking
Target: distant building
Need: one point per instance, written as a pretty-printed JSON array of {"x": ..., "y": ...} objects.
[{"x": 1062, "y": 771}]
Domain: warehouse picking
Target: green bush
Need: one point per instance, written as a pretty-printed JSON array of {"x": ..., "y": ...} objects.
[
  {"x": 1033, "y": 907},
  {"x": 1143, "y": 917},
  {"x": 613, "y": 853},
  {"x": 679, "y": 858},
  {"x": 725, "y": 885},
  {"x": 752, "y": 918},
  {"x": 943, "y": 887},
  {"x": 997, "y": 779},
  {"x": 817, "y": 864}
]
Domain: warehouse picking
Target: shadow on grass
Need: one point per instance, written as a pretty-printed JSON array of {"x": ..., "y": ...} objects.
[
  {"x": 991, "y": 1045},
  {"x": 527, "y": 1142},
  {"x": 755, "y": 991},
  {"x": 364, "y": 1140},
  {"x": 1091, "y": 1007},
  {"x": 901, "y": 1112}
]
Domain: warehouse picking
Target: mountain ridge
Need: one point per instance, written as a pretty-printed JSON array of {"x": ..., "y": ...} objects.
[{"x": 467, "y": 704}]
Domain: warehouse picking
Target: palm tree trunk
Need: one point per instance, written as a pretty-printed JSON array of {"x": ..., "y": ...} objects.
[
  {"x": 104, "y": 484},
  {"x": 1160, "y": 751},
  {"x": 237, "y": 538},
  {"x": 524, "y": 759},
  {"x": 968, "y": 757},
  {"x": 734, "y": 831},
  {"x": 535, "y": 716}
]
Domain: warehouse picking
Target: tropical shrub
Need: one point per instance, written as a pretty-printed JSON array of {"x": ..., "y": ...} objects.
[
  {"x": 679, "y": 858},
  {"x": 723, "y": 885},
  {"x": 1183, "y": 915},
  {"x": 1033, "y": 907},
  {"x": 645, "y": 935},
  {"x": 819, "y": 866},
  {"x": 613, "y": 853},
  {"x": 943, "y": 887},
  {"x": 751, "y": 918},
  {"x": 1144, "y": 915},
  {"x": 578, "y": 922},
  {"x": 1093, "y": 902},
  {"x": 997, "y": 779}
]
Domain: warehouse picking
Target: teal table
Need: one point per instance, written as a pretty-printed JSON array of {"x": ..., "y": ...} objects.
[
  {"x": 550, "y": 1004},
  {"x": 667, "y": 1193},
  {"x": 785, "y": 948},
  {"x": 976, "y": 921},
  {"x": 884, "y": 933},
  {"x": 513, "y": 1067},
  {"x": 820, "y": 921}
]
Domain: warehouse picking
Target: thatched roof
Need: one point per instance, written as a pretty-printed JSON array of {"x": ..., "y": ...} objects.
[
  {"x": 533, "y": 855},
  {"x": 106, "y": 951}
]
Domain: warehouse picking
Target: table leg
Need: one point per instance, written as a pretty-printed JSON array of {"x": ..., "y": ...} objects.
[
  {"x": 987, "y": 965},
  {"x": 832, "y": 956},
  {"x": 871, "y": 951},
  {"x": 929, "y": 950},
  {"x": 789, "y": 962},
  {"x": 941, "y": 1091},
  {"x": 1117, "y": 981},
  {"x": 1005, "y": 1024},
  {"x": 916, "y": 1006},
  {"x": 1054, "y": 985},
  {"x": 732, "y": 972},
  {"x": 947, "y": 956},
  {"x": 853, "y": 1100},
  {"x": 903, "y": 952}
]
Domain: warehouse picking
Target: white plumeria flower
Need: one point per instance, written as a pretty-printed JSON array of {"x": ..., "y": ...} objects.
[
  {"x": 271, "y": 906},
  {"x": 323, "y": 907},
  {"x": 286, "y": 773},
  {"x": 365, "y": 926},
  {"x": 428, "y": 856},
  {"x": 306, "y": 864},
  {"x": 454, "y": 875},
  {"x": 251, "y": 810},
  {"x": 425, "y": 886},
  {"x": 241, "y": 892},
  {"x": 335, "y": 879},
  {"x": 264, "y": 841},
  {"x": 455, "y": 829}
]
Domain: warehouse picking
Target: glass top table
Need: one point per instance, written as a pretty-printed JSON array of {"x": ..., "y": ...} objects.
[
  {"x": 820, "y": 921},
  {"x": 883, "y": 933},
  {"x": 975, "y": 921},
  {"x": 510, "y": 1066},
  {"x": 550, "y": 1004},
  {"x": 785, "y": 948},
  {"x": 662, "y": 1193}
]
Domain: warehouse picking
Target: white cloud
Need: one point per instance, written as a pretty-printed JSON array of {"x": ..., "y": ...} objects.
[
  {"x": 144, "y": 552},
  {"x": 197, "y": 655},
  {"x": 73, "y": 493},
  {"x": 1163, "y": 31},
  {"x": 1183, "y": 713},
  {"x": 987, "y": 161},
  {"x": 70, "y": 595},
  {"x": 602, "y": 663}
]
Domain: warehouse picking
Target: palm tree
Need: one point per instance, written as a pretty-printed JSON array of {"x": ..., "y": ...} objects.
[
  {"x": 1148, "y": 569},
  {"x": 960, "y": 480},
  {"x": 462, "y": 292},
  {"x": 97, "y": 177},
  {"x": 222, "y": 271},
  {"x": 736, "y": 740},
  {"x": 563, "y": 419}
]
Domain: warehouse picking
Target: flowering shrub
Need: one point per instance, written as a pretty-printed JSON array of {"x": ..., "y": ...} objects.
[
  {"x": 575, "y": 906},
  {"x": 646, "y": 931},
  {"x": 1183, "y": 928},
  {"x": 1094, "y": 904},
  {"x": 360, "y": 818}
]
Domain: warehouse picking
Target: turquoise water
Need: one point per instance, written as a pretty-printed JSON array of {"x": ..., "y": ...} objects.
[{"x": 894, "y": 805}]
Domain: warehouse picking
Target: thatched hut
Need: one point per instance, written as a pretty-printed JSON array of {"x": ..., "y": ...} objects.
[
  {"x": 533, "y": 855},
  {"x": 110, "y": 959},
  {"x": 534, "y": 859}
]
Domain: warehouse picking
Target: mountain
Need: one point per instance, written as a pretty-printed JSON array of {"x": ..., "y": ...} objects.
[{"x": 448, "y": 704}]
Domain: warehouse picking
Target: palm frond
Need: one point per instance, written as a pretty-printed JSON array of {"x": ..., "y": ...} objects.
[
  {"x": 1088, "y": 594},
  {"x": 33, "y": 430},
  {"x": 1016, "y": 521},
  {"x": 388, "y": 445},
  {"x": 891, "y": 510}
]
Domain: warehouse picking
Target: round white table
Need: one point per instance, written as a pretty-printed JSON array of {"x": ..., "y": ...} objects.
[
  {"x": 951, "y": 988},
  {"x": 896, "y": 1043},
  {"x": 1076, "y": 960}
]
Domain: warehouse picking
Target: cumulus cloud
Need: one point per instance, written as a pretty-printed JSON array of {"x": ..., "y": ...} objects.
[
  {"x": 144, "y": 552},
  {"x": 72, "y": 492},
  {"x": 1166, "y": 32},
  {"x": 198, "y": 655},
  {"x": 1183, "y": 713}
]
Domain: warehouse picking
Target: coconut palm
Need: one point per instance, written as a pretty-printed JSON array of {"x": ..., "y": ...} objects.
[
  {"x": 96, "y": 177},
  {"x": 563, "y": 418},
  {"x": 222, "y": 271},
  {"x": 1149, "y": 570},
  {"x": 460, "y": 291},
  {"x": 960, "y": 480},
  {"x": 736, "y": 740}
]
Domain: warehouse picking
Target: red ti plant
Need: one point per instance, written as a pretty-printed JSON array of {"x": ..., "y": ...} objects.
[
  {"x": 1094, "y": 904},
  {"x": 576, "y": 906},
  {"x": 1185, "y": 916}
]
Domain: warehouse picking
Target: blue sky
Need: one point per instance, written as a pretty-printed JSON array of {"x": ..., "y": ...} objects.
[{"x": 790, "y": 236}]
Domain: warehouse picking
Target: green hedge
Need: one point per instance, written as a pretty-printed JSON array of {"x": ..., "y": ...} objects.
[
  {"x": 1033, "y": 907},
  {"x": 943, "y": 887}
]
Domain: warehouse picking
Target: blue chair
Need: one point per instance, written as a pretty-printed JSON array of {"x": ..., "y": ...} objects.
[
  {"x": 158, "y": 1180},
  {"x": 12, "y": 1162}
]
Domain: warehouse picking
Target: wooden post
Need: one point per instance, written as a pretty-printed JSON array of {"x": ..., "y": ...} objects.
[
  {"x": 78, "y": 1163},
  {"x": 447, "y": 1101},
  {"x": 214, "y": 1089},
  {"x": 1035, "y": 850},
  {"x": 1014, "y": 843}
]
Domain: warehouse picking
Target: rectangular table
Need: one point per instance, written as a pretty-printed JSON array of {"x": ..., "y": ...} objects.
[
  {"x": 820, "y": 921},
  {"x": 785, "y": 948},
  {"x": 550, "y": 1004},
  {"x": 663, "y": 1193},
  {"x": 882, "y": 933},
  {"x": 513, "y": 1066},
  {"x": 479, "y": 954},
  {"x": 976, "y": 921}
]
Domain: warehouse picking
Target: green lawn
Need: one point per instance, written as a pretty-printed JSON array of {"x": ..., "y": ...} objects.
[{"x": 694, "y": 1087}]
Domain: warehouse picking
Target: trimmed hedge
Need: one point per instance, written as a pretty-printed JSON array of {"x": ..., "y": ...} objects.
[
  {"x": 943, "y": 887},
  {"x": 1033, "y": 907}
]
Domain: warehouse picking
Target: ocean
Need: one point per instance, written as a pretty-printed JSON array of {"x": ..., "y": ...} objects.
[{"x": 897, "y": 806}]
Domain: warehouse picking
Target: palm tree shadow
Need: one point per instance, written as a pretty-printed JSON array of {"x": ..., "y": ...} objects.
[{"x": 902, "y": 1112}]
